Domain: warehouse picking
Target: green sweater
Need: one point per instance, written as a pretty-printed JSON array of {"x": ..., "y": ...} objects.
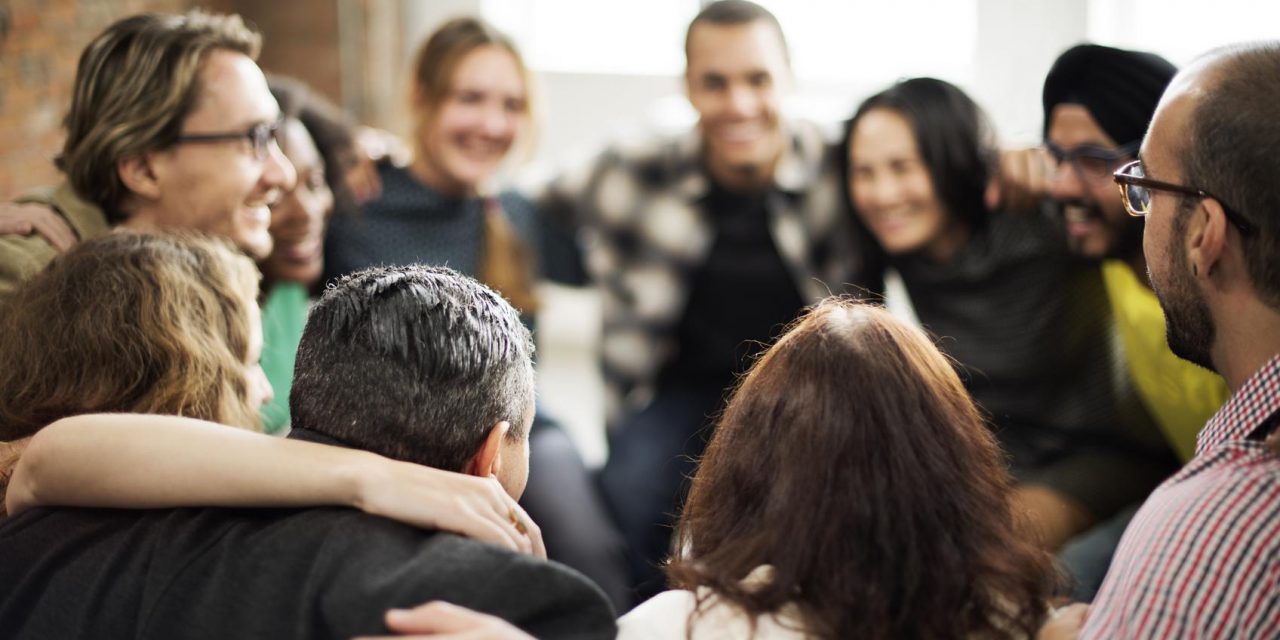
[{"x": 284, "y": 315}]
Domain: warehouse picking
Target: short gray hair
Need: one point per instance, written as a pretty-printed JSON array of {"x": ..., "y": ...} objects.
[{"x": 414, "y": 363}]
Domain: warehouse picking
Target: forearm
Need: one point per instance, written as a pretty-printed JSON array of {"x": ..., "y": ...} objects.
[{"x": 150, "y": 461}]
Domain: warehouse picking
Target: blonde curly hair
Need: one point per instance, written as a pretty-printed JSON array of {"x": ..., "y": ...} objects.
[{"x": 130, "y": 322}]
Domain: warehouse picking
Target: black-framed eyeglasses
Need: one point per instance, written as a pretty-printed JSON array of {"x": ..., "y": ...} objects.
[
  {"x": 1136, "y": 187},
  {"x": 1092, "y": 163},
  {"x": 260, "y": 136}
]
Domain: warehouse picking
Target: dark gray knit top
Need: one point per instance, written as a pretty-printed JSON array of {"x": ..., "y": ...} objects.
[
  {"x": 412, "y": 223},
  {"x": 1030, "y": 327}
]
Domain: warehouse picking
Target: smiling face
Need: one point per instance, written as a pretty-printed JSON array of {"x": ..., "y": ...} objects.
[
  {"x": 1097, "y": 225},
  {"x": 735, "y": 79},
  {"x": 221, "y": 188},
  {"x": 892, "y": 191},
  {"x": 298, "y": 220},
  {"x": 468, "y": 134}
]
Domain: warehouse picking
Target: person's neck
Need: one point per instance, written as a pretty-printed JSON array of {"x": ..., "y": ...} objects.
[
  {"x": 1247, "y": 337},
  {"x": 139, "y": 219},
  {"x": 950, "y": 241},
  {"x": 740, "y": 178},
  {"x": 427, "y": 174}
]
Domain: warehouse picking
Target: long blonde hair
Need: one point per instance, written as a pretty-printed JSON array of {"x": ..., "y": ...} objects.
[
  {"x": 507, "y": 262},
  {"x": 134, "y": 323}
]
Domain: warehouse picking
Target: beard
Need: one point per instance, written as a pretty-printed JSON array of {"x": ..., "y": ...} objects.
[
  {"x": 1124, "y": 232},
  {"x": 1188, "y": 325}
]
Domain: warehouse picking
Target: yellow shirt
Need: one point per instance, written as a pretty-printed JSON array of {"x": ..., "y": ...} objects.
[{"x": 1181, "y": 395}]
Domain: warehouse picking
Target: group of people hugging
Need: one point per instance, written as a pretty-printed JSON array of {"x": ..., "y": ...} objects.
[{"x": 268, "y": 373}]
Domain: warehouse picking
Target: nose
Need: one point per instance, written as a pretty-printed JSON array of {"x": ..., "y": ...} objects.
[
  {"x": 498, "y": 122},
  {"x": 1066, "y": 183},
  {"x": 881, "y": 190},
  {"x": 277, "y": 171},
  {"x": 743, "y": 101}
]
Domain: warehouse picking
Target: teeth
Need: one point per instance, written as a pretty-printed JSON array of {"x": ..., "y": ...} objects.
[
  {"x": 1076, "y": 215},
  {"x": 740, "y": 132}
]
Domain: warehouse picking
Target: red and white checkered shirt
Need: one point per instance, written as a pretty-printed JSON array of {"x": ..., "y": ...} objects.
[{"x": 1201, "y": 559}]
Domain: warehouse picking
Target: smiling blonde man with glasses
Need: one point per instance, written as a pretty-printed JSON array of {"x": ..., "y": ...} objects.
[{"x": 171, "y": 126}]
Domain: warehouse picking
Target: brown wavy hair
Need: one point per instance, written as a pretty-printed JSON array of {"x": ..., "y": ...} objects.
[
  {"x": 135, "y": 84},
  {"x": 852, "y": 460},
  {"x": 130, "y": 322}
]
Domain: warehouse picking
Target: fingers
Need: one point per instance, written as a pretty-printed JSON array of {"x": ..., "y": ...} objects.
[
  {"x": 478, "y": 508},
  {"x": 532, "y": 534},
  {"x": 25, "y": 219},
  {"x": 1273, "y": 442},
  {"x": 1024, "y": 179},
  {"x": 55, "y": 230},
  {"x": 516, "y": 523},
  {"x": 1064, "y": 623},
  {"x": 445, "y": 621},
  {"x": 12, "y": 227},
  {"x": 486, "y": 512},
  {"x": 362, "y": 180}
]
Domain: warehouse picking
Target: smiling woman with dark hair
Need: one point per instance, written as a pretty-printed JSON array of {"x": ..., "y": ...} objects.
[
  {"x": 1027, "y": 322},
  {"x": 851, "y": 489}
]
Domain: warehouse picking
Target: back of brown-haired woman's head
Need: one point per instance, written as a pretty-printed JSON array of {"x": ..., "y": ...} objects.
[
  {"x": 130, "y": 322},
  {"x": 852, "y": 460}
]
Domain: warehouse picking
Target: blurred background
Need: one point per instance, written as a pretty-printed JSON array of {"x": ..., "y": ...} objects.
[{"x": 611, "y": 68}]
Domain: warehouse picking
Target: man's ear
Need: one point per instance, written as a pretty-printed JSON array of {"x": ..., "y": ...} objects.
[
  {"x": 139, "y": 176},
  {"x": 487, "y": 461},
  {"x": 1207, "y": 236}
]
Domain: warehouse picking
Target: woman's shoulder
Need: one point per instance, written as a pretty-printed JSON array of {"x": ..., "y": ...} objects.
[{"x": 665, "y": 615}]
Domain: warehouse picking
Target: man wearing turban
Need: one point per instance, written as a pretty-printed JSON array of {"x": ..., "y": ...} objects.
[{"x": 1098, "y": 102}]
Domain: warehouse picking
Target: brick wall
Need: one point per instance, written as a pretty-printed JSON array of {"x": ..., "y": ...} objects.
[
  {"x": 41, "y": 40},
  {"x": 38, "y": 54}
]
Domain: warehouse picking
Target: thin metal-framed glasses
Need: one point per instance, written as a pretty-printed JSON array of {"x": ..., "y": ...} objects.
[
  {"x": 261, "y": 136},
  {"x": 1136, "y": 188},
  {"x": 1091, "y": 163}
]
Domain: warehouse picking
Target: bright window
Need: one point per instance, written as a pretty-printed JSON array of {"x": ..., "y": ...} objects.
[
  {"x": 1180, "y": 30},
  {"x": 831, "y": 40}
]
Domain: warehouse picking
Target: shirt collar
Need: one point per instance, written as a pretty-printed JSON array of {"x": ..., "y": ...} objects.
[
  {"x": 1257, "y": 400},
  {"x": 798, "y": 168}
]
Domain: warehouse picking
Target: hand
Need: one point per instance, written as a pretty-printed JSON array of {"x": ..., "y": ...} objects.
[
  {"x": 1064, "y": 623},
  {"x": 371, "y": 147},
  {"x": 475, "y": 507},
  {"x": 1023, "y": 180},
  {"x": 27, "y": 218},
  {"x": 445, "y": 621},
  {"x": 1273, "y": 442}
]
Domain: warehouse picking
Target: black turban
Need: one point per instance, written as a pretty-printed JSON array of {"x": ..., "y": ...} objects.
[{"x": 1119, "y": 88}]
